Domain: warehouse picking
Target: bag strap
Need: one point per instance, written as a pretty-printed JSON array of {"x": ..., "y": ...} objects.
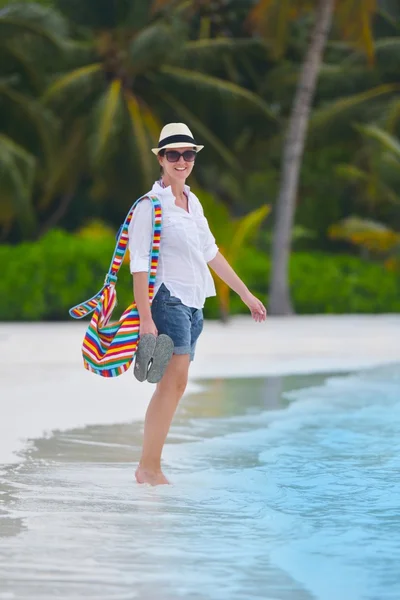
[{"x": 84, "y": 308}]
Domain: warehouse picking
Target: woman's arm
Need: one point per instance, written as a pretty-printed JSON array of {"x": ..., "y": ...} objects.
[
  {"x": 141, "y": 295},
  {"x": 223, "y": 269},
  {"x": 140, "y": 235}
]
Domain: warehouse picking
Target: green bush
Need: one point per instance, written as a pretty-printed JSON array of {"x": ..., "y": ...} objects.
[
  {"x": 323, "y": 283},
  {"x": 42, "y": 280}
]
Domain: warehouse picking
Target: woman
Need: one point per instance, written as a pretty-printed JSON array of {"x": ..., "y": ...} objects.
[{"x": 182, "y": 284}]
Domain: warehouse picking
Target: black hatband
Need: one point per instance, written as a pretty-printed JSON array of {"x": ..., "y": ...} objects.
[{"x": 173, "y": 139}]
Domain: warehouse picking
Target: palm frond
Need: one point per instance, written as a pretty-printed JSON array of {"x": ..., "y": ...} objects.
[
  {"x": 34, "y": 114},
  {"x": 217, "y": 214},
  {"x": 205, "y": 28},
  {"x": 79, "y": 52},
  {"x": 213, "y": 54},
  {"x": 151, "y": 121},
  {"x": 13, "y": 26},
  {"x": 271, "y": 18},
  {"x": 371, "y": 184},
  {"x": 93, "y": 14},
  {"x": 213, "y": 45},
  {"x": 323, "y": 115},
  {"x": 139, "y": 130},
  {"x": 74, "y": 79},
  {"x": 209, "y": 82},
  {"x": 159, "y": 5},
  {"x": 246, "y": 227},
  {"x": 205, "y": 133},
  {"x": 106, "y": 117},
  {"x": 351, "y": 173},
  {"x": 45, "y": 18},
  {"x": 17, "y": 173},
  {"x": 13, "y": 55},
  {"x": 390, "y": 194},
  {"x": 259, "y": 13},
  {"x": 355, "y": 23},
  {"x": 388, "y": 43},
  {"x": 154, "y": 44},
  {"x": 366, "y": 37},
  {"x": 391, "y": 19},
  {"x": 69, "y": 162},
  {"x": 356, "y": 224},
  {"x": 389, "y": 142},
  {"x": 139, "y": 15}
]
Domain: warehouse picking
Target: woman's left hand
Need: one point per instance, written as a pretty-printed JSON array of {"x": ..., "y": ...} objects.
[{"x": 257, "y": 309}]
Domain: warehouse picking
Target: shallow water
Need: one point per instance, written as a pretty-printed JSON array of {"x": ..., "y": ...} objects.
[{"x": 283, "y": 489}]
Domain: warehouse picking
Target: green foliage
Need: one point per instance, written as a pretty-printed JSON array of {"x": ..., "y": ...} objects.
[
  {"x": 138, "y": 70},
  {"x": 96, "y": 80},
  {"x": 322, "y": 197},
  {"x": 324, "y": 283},
  {"x": 7, "y": 3},
  {"x": 321, "y": 284},
  {"x": 233, "y": 235},
  {"x": 43, "y": 280},
  {"x": 16, "y": 176},
  {"x": 373, "y": 238},
  {"x": 373, "y": 176},
  {"x": 86, "y": 85},
  {"x": 29, "y": 34},
  {"x": 96, "y": 14}
]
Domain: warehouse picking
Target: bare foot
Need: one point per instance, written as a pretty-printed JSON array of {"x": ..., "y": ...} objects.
[{"x": 152, "y": 477}]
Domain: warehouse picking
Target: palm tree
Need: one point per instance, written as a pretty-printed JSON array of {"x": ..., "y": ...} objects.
[
  {"x": 129, "y": 68},
  {"x": 272, "y": 17},
  {"x": 26, "y": 149}
]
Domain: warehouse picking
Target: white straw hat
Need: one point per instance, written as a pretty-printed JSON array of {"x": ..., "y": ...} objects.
[{"x": 176, "y": 135}]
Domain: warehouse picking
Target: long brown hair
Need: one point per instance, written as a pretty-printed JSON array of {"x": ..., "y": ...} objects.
[{"x": 162, "y": 153}]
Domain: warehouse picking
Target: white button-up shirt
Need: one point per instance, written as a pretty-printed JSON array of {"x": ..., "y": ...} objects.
[{"x": 186, "y": 246}]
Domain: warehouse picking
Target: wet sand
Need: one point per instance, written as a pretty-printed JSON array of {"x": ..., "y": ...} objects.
[
  {"x": 74, "y": 523},
  {"x": 283, "y": 488},
  {"x": 44, "y": 386}
]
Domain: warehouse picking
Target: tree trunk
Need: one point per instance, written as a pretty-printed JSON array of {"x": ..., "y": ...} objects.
[{"x": 279, "y": 302}]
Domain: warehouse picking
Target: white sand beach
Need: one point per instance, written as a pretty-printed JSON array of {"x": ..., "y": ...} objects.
[{"x": 45, "y": 387}]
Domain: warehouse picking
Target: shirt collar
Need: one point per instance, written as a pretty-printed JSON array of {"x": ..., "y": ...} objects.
[{"x": 166, "y": 191}]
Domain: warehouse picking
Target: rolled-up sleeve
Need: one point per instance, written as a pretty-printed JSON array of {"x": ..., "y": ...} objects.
[
  {"x": 140, "y": 237},
  {"x": 210, "y": 248}
]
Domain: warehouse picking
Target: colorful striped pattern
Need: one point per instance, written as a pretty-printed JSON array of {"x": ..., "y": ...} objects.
[{"x": 108, "y": 348}]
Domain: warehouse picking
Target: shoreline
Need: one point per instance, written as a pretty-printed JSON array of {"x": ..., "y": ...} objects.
[{"x": 45, "y": 387}]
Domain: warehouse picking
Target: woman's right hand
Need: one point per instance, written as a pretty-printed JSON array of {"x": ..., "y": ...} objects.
[{"x": 147, "y": 325}]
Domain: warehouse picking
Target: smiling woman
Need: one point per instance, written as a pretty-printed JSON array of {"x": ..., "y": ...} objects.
[
  {"x": 183, "y": 282},
  {"x": 176, "y": 136}
]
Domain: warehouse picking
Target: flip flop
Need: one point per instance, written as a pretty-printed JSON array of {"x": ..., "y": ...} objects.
[
  {"x": 144, "y": 354},
  {"x": 162, "y": 355}
]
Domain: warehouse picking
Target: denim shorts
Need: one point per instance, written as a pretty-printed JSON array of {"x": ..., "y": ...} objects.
[{"x": 182, "y": 323}]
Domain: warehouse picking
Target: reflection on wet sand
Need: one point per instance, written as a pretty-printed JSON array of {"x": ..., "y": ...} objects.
[{"x": 75, "y": 524}]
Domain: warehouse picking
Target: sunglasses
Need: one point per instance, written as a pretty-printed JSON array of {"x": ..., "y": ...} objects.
[{"x": 173, "y": 155}]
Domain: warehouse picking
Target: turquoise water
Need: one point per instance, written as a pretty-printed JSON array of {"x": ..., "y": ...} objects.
[{"x": 283, "y": 489}]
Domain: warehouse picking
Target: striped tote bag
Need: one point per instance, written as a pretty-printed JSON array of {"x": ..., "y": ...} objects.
[{"x": 108, "y": 348}]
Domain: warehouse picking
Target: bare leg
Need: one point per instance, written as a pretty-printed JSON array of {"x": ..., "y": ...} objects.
[{"x": 158, "y": 419}]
